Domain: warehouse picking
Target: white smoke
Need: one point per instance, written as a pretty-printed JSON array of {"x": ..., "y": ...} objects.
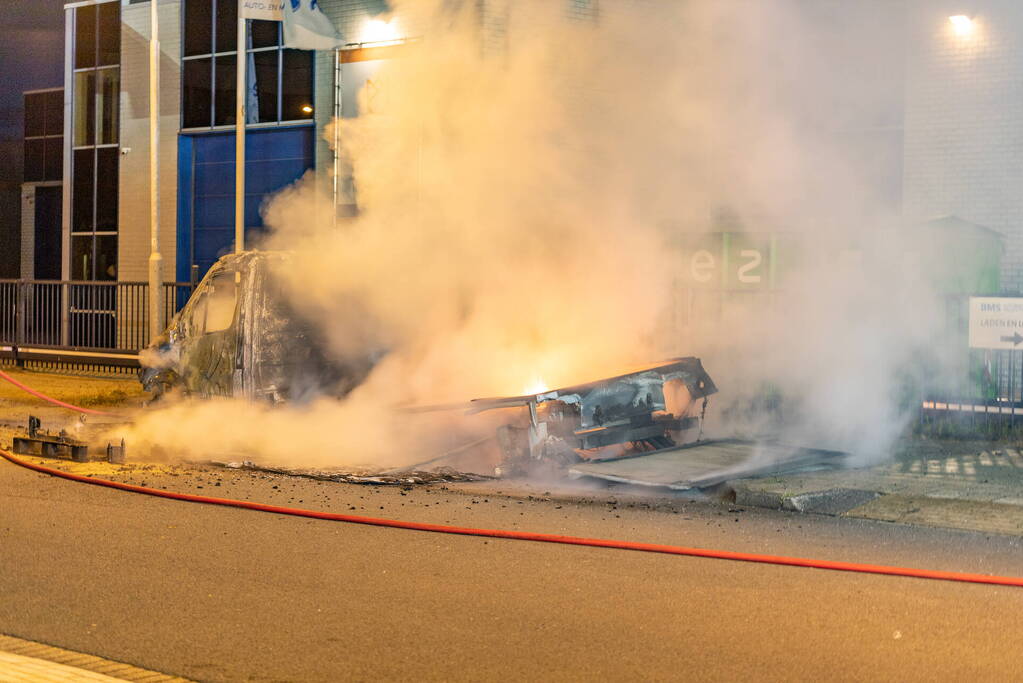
[{"x": 522, "y": 193}]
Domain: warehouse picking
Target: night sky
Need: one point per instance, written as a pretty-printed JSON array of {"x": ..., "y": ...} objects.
[{"x": 31, "y": 57}]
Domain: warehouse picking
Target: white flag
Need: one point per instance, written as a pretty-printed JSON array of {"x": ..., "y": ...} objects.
[
  {"x": 251, "y": 87},
  {"x": 306, "y": 27}
]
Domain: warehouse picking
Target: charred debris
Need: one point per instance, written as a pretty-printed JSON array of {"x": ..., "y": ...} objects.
[
  {"x": 39, "y": 442},
  {"x": 648, "y": 410}
]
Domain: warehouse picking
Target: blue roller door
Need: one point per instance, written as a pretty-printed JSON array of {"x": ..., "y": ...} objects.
[{"x": 274, "y": 158}]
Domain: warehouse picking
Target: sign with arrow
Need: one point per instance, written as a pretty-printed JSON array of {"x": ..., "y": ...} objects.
[{"x": 996, "y": 322}]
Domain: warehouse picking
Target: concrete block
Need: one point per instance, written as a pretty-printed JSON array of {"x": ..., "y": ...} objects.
[
  {"x": 757, "y": 498},
  {"x": 831, "y": 502}
]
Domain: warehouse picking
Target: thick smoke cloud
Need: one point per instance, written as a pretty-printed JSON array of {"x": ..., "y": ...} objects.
[{"x": 527, "y": 180}]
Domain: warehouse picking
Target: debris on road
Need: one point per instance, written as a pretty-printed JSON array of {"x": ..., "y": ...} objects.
[
  {"x": 116, "y": 454},
  {"x": 38, "y": 442},
  {"x": 439, "y": 475},
  {"x": 708, "y": 463}
]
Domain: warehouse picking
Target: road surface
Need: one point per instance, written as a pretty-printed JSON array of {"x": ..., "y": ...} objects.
[{"x": 224, "y": 594}]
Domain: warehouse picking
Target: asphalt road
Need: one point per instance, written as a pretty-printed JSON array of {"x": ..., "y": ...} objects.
[{"x": 224, "y": 594}]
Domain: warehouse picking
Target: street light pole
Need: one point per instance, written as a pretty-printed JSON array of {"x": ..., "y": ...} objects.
[
  {"x": 155, "y": 259},
  {"x": 239, "y": 153}
]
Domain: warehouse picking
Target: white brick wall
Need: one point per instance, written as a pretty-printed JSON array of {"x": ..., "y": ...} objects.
[
  {"x": 133, "y": 247},
  {"x": 964, "y": 121}
]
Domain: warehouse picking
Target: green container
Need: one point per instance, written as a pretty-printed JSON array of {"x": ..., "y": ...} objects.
[{"x": 962, "y": 257}]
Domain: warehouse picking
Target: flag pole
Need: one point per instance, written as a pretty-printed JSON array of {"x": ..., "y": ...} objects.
[
  {"x": 155, "y": 259},
  {"x": 338, "y": 93},
  {"x": 239, "y": 155}
]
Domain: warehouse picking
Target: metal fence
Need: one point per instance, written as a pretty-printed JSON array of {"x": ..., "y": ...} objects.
[
  {"x": 979, "y": 392},
  {"x": 66, "y": 324},
  {"x": 99, "y": 317},
  {"x": 955, "y": 389}
]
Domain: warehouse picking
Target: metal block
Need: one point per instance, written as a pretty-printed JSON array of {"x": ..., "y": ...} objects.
[{"x": 116, "y": 454}]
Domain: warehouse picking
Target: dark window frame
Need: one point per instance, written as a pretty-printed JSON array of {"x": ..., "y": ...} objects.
[
  {"x": 221, "y": 115},
  {"x": 44, "y": 136},
  {"x": 102, "y": 140}
]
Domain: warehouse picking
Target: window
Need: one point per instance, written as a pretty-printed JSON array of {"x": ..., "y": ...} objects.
[
  {"x": 98, "y": 35},
  {"x": 297, "y": 70},
  {"x": 221, "y": 303},
  {"x": 224, "y": 81},
  {"x": 85, "y": 37},
  {"x": 85, "y": 108},
  {"x": 35, "y": 151},
  {"x": 213, "y": 306},
  {"x": 197, "y": 91},
  {"x": 95, "y": 126},
  {"x": 108, "y": 91},
  {"x": 44, "y": 135},
  {"x": 94, "y": 257},
  {"x": 83, "y": 190},
  {"x": 35, "y": 112},
  {"x": 280, "y": 81}
]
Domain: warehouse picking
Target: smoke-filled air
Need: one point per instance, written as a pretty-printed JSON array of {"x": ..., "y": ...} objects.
[{"x": 536, "y": 191}]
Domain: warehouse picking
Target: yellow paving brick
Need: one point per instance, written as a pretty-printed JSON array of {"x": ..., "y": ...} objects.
[
  {"x": 944, "y": 512},
  {"x": 21, "y": 668},
  {"x": 26, "y": 660}
]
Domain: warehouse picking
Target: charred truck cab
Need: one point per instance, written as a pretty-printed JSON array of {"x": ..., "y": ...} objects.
[{"x": 239, "y": 336}]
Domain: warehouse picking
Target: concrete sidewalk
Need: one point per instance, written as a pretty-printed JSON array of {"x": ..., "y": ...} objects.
[{"x": 958, "y": 485}]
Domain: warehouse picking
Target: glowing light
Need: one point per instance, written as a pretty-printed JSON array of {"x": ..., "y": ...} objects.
[
  {"x": 379, "y": 31},
  {"x": 307, "y": 109},
  {"x": 536, "y": 386},
  {"x": 961, "y": 24}
]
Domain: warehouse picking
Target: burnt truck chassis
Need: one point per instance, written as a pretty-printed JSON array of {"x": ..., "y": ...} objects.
[
  {"x": 238, "y": 336},
  {"x": 638, "y": 412}
]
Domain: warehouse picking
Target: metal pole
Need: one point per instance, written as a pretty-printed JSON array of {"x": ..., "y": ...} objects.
[
  {"x": 155, "y": 259},
  {"x": 337, "y": 122},
  {"x": 239, "y": 154}
]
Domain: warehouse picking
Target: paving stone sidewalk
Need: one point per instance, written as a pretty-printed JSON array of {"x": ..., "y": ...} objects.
[
  {"x": 957, "y": 485},
  {"x": 26, "y": 660}
]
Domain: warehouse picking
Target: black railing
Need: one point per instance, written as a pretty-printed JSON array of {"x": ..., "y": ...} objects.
[{"x": 110, "y": 317}]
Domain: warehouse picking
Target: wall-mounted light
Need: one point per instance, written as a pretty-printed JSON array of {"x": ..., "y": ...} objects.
[
  {"x": 379, "y": 31},
  {"x": 962, "y": 25},
  {"x": 307, "y": 109}
]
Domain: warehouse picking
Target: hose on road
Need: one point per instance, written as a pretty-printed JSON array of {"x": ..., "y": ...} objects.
[
  {"x": 530, "y": 536},
  {"x": 50, "y": 399}
]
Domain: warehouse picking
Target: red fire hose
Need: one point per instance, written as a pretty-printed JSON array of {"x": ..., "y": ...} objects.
[
  {"x": 530, "y": 536},
  {"x": 50, "y": 399},
  {"x": 500, "y": 533}
]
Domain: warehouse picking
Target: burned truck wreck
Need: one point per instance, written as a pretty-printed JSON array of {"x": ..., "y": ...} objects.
[
  {"x": 239, "y": 336},
  {"x": 647, "y": 410}
]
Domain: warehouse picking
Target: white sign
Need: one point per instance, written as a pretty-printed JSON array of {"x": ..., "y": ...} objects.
[
  {"x": 996, "y": 323},
  {"x": 268, "y": 10}
]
